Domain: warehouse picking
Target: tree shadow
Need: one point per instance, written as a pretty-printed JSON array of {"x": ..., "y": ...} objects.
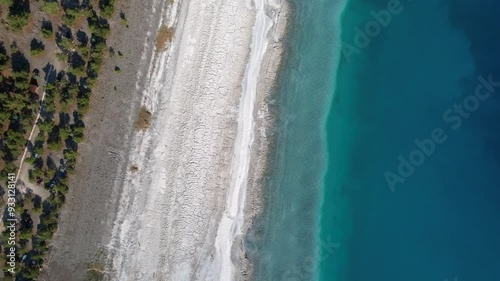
[
  {"x": 103, "y": 4},
  {"x": 33, "y": 81},
  {"x": 51, "y": 164},
  {"x": 46, "y": 208},
  {"x": 64, "y": 38},
  {"x": 4, "y": 59},
  {"x": 19, "y": 7},
  {"x": 82, "y": 37},
  {"x": 70, "y": 144},
  {"x": 71, "y": 4},
  {"x": 47, "y": 26},
  {"x": 54, "y": 135},
  {"x": 37, "y": 201},
  {"x": 47, "y": 115},
  {"x": 38, "y": 163},
  {"x": 122, "y": 15},
  {"x": 26, "y": 221},
  {"x": 64, "y": 119},
  {"x": 77, "y": 121},
  {"x": 3, "y": 50},
  {"x": 82, "y": 85},
  {"x": 30, "y": 146},
  {"x": 76, "y": 61},
  {"x": 72, "y": 79},
  {"x": 65, "y": 31},
  {"x": 19, "y": 62},
  {"x": 50, "y": 73},
  {"x": 60, "y": 75},
  {"x": 37, "y": 44},
  {"x": 38, "y": 143}
]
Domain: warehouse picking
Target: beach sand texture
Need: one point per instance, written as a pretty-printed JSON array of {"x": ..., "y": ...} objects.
[{"x": 155, "y": 200}]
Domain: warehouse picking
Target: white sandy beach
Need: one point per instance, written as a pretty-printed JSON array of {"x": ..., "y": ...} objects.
[
  {"x": 181, "y": 216},
  {"x": 169, "y": 210}
]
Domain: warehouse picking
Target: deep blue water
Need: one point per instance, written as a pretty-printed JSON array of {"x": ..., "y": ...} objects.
[{"x": 443, "y": 221}]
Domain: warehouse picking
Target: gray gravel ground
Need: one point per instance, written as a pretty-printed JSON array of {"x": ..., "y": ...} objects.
[{"x": 90, "y": 207}]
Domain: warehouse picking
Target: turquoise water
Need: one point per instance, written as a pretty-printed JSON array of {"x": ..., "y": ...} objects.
[
  {"x": 381, "y": 171},
  {"x": 284, "y": 243}
]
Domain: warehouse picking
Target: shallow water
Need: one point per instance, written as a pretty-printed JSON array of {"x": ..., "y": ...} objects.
[{"x": 285, "y": 240}]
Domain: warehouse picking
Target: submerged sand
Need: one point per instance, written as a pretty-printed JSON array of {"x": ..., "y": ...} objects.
[{"x": 165, "y": 203}]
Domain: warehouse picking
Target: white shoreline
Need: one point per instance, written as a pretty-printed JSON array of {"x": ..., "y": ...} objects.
[{"x": 230, "y": 226}]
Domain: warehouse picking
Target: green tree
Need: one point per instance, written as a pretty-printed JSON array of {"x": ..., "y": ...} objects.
[
  {"x": 73, "y": 13},
  {"x": 78, "y": 133},
  {"x": 107, "y": 8},
  {"x": 54, "y": 145},
  {"x": 77, "y": 70},
  {"x": 51, "y": 7},
  {"x": 66, "y": 44},
  {"x": 47, "y": 30},
  {"x": 18, "y": 21},
  {"x": 13, "y": 139},
  {"x": 36, "y": 47},
  {"x": 98, "y": 26},
  {"x": 62, "y": 57},
  {"x": 18, "y": 16},
  {"x": 46, "y": 126},
  {"x": 65, "y": 132}
]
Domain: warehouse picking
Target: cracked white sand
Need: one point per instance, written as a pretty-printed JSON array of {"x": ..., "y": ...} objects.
[
  {"x": 169, "y": 211},
  {"x": 230, "y": 226}
]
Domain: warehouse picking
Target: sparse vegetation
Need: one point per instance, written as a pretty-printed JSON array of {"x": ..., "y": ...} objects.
[
  {"x": 19, "y": 13},
  {"x": 96, "y": 270},
  {"x": 73, "y": 13},
  {"x": 98, "y": 26},
  {"x": 123, "y": 19},
  {"x": 107, "y": 7},
  {"x": 51, "y": 7},
  {"x": 6, "y": 2},
  {"x": 66, "y": 44},
  {"x": 61, "y": 56},
  {"x": 164, "y": 36},
  {"x": 47, "y": 29},
  {"x": 143, "y": 119},
  {"x": 36, "y": 47}
]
